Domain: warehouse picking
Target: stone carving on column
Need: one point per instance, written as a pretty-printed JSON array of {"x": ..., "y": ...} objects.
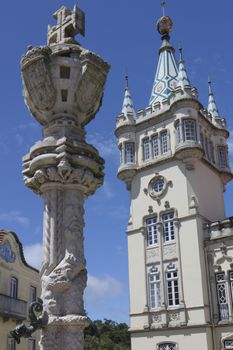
[{"x": 63, "y": 89}]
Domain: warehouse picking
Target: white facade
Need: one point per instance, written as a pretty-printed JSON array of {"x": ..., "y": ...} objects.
[{"x": 174, "y": 162}]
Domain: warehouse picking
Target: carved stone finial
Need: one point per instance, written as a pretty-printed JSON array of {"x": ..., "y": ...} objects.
[{"x": 69, "y": 24}]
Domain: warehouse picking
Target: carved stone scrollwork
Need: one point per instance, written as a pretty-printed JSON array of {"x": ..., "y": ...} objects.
[{"x": 64, "y": 173}]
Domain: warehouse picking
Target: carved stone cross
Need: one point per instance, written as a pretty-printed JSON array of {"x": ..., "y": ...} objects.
[{"x": 69, "y": 24}]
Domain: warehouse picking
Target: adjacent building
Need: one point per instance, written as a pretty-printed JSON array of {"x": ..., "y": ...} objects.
[
  {"x": 19, "y": 286},
  {"x": 174, "y": 161}
]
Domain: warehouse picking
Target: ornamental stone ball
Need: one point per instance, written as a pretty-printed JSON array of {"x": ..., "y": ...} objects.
[{"x": 63, "y": 89}]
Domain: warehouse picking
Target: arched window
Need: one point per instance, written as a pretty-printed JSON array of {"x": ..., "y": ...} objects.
[
  {"x": 154, "y": 287},
  {"x": 167, "y": 346}
]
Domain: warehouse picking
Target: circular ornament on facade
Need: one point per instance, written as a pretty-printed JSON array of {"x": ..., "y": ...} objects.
[{"x": 157, "y": 186}]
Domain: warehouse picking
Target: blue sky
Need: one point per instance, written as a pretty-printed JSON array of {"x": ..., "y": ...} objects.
[{"x": 123, "y": 32}]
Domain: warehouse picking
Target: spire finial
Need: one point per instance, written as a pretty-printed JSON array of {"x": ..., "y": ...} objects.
[
  {"x": 181, "y": 53},
  {"x": 163, "y": 4},
  {"x": 126, "y": 80},
  {"x": 210, "y": 87}
]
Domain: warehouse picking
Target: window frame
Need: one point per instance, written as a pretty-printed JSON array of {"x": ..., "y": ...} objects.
[
  {"x": 170, "y": 233},
  {"x": 155, "y": 146},
  {"x": 31, "y": 299},
  {"x": 223, "y": 307},
  {"x": 129, "y": 153},
  {"x": 189, "y": 133},
  {"x": 155, "y": 297},
  {"x": 173, "y": 284},
  {"x": 166, "y": 344},
  {"x": 146, "y": 148},
  {"x": 164, "y": 144},
  {"x": 14, "y": 287},
  {"x": 154, "y": 233},
  {"x": 222, "y": 157}
]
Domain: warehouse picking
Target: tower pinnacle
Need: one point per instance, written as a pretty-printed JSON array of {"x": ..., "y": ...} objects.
[
  {"x": 183, "y": 79},
  {"x": 128, "y": 107},
  {"x": 212, "y": 107}
]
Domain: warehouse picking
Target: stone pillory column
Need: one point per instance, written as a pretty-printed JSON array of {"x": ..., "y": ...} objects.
[{"x": 63, "y": 89}]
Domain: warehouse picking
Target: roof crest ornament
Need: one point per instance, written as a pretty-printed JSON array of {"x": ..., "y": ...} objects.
[{"x": 69, "y": 24}]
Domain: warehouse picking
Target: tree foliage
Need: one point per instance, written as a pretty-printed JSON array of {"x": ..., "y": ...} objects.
[{"x": 107, "y": 335}]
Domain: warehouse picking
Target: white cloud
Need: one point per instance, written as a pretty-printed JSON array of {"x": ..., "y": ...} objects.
[
  {"x": 108, "y": 190},
  {"x": 33, "y": 254},
  {"x": 14, "y": 216},
  {"x": 106, "y": 146},
  {"x": 101, "y": 287}
]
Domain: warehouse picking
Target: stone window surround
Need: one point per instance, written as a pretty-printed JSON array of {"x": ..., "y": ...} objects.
[
  {"x": 163, "y": 276},
  {"x": 122, "y": 148},
  {"x": 179, "y": 126},
  {"x": 150, "y": 137},
  {"x": 13, "y": 287},
  {"x": 159, "y": 223},
  {"x": 157, "y": 282},
  {"x": 229, "y": 292},
  {"x": 163, "y": 345},
  {"x": 160, "y": 246}
]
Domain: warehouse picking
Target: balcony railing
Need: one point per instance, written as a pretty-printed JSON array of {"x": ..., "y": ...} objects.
[{"x": 12, "y": 308}]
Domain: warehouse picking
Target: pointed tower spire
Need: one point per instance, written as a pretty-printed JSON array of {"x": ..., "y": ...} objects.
[
  {"x": 183, "y": 79},
  {"x": 212, "y": 107},
  {"x": 128, "y": 107},
  {"x": 166, "y": 77}
]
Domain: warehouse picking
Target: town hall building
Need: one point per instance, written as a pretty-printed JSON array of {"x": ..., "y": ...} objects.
[{"x": 174, "y": 162}]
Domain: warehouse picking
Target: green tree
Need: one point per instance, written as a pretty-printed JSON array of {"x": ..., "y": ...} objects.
[{"x": 107, "y": 335}]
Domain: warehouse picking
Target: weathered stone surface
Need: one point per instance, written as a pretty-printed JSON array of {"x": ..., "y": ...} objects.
[{"x": 63, "y": 89}]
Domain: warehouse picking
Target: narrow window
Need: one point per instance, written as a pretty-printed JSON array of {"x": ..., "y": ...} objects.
[
  {"x": 64, "y": 72},
  {"x": 11, "y": 344},
  {"x": 13, "y": 287},
  {"x": 222, "y": 157},
  {"x": 168, "y": 227},
  {"x": 189, "y": 130},
  {"x": 121, "y": 154},
  {"x": 31, "y": 344},
  {"x": 167, "y": 346},
  {"x": 172, "y": 288},
  {"x": 146, "y": 149},
  {"x": 178, "y": 133},
  {"x": 32, "y": 294},
  {"x": 155, "y": 146},
  {"x": 129, "y": 152},
  {"x": 207, "y": 151},
  {"x": 164, "y": 142},
  {"x": 222, "y": 296},
  {"x": 64, "y": 95},
  {"x": 154, "y": 288},
  {"x": 202, "y": 141},
  {"x": 151, "y": 228},
  {"x": 212, "y": 156}
]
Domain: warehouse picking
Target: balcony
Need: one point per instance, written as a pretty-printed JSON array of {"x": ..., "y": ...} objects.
[{"x": 12, "y": 308}]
